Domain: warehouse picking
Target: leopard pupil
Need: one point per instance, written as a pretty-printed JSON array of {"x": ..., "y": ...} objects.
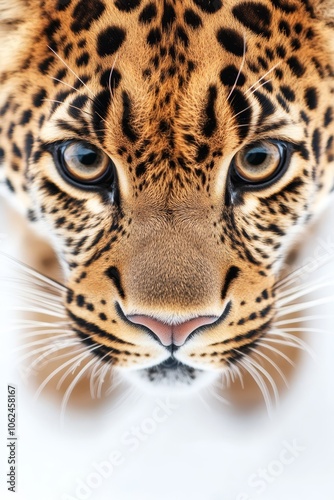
[
  {"x": 87, "y": 157},
  {"x": 256, "y": 157}
]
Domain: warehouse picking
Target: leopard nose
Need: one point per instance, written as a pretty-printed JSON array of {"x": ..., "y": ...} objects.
[{"x": 176, "y": 334}]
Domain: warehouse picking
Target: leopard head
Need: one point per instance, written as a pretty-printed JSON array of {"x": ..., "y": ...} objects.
[{"x": 172, "y": 152}]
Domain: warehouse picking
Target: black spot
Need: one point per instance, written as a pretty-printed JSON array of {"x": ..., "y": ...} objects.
[
  {"x": 127, "y": 127},
  {"x": 202, "y": 153},
  {"x": 60, "y": 75},
  {"x": 127, "y": 5},
  {"x": 192, "y": 19},
  {"x": 296, "y": 67},
  {"x": 79, "y": 102},
  {"x": 311, "y": 97},
  {"x": 265, "y": 311},
  {"x": 210, "y": 123},
  {"x": 26, "y": 117},
  {"x": 16, "y": 151},
  {"x": 231, "y": 41},
  {"x": 103, "y": 317},
  {"x": 168, "y": 17},
  {"x": 295, "y": 44},
  {"x": 231, "y": 275},
  {"x": 63, "y": 4},
  {"x": 209, "y": 6},
  {"x": 113, "y": 274},
  {"x": 241, "y": 112},
  {"x": 154, "y": 36},
  {"x": 316, "y": 144},
  {"x": 80, "y": 300},
  {"x": 255, "y": 16},
  {"x": 328, "y": 118},
  {"x": 82, "y": 60},
  {"x": 68, "y": 49},
  {"x": 110, "y": 40},
  {"x": 284, "y": 28},
  {"x": 28, "y": 144},
  {"x": 280, "y": 51},
  {"x": 69, "y": 296},
  {"x": 148, "y": 14},
  {"x": 284, "y": 6},
  {"x": 182, "y": 35},
  {"x": 52, "y": 28},
  {"x": 38, "y": 98},
  {"x": 288, "y": 93},
  {"x": 140, "y": 169},
  {"x": 44, "y": 66},
  {"x": 230, "y": 76},
  {"x": 84, "y": 15},
  {"x": 110, "y": 79},
  {"x": 8, "y": 183}
]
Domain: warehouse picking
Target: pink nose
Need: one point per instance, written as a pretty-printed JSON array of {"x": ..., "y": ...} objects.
[{"x": 172, "y": 334}]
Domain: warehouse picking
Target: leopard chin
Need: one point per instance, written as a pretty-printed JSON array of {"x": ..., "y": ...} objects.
[{"x": 171, "y": 377}]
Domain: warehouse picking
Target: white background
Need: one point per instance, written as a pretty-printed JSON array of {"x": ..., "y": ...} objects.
[{"x": 203, "y": 449}]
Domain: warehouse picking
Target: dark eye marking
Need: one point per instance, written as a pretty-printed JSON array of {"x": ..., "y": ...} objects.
[
  {"x": 210, "y": 124},
  {"x": 127, "y": 118}
]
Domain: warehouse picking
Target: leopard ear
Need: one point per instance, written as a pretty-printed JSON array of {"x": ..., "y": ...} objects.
[{"x": 324, "y": 10}]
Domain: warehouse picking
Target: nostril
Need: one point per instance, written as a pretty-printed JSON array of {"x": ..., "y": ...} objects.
[{"x": 176, "y": 334}]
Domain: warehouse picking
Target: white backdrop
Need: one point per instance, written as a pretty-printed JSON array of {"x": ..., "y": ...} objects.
[{"x": 154, "y": 448}]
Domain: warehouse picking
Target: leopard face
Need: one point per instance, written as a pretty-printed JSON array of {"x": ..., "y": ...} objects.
[{"x": 172, "y": 152}]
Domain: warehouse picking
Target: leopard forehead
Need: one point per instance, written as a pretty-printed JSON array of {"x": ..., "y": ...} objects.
[{"x": 170, "y": 90}]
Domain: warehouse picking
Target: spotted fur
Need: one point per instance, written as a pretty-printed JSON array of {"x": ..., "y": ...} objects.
[{"x": 171, "y": 90}]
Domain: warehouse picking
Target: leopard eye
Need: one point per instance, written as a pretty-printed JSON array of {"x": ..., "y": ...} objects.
[
  {"x": 259, "y": 161},
  {"x": 85, "y": 164}
]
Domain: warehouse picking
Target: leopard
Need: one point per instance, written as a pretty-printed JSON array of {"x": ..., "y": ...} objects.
[{"x": 171, "y": 153}]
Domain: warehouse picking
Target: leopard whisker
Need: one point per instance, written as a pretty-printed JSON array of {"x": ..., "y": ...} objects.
[
  {"x": 289, "y": 309},
  {"x": 63, "y": 345},
  {"x": 289, "y": 340},
  {"x": 71, "y": 370},
  {"x": 302, "y": 319},
  {"x": 71, "y": 70},
  {"x": 299, "y": 272},
  {"x": 277, "y": 351},
  {"x": 302, "y": 286},
  {"x": 305, "y": 291},
  {"x": 44, "y": 340},
  {"x": 55, "y": 285},
  {"x": 240, "y": 69},
  {"x": 101, "y": 378},
  {"x": 272, "y": 363},
  {"x": 59, "y": 369},
  {"x": 72, "y": 385},
  {"x": 266, "y": 374},
  {"x": 262, "y": 77},
  {"x": 110, "y": 76},
  {"x": 249, "y": 368},
  {"x": 40, "y": 310},
  {"x": 70, "y": 106}
]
